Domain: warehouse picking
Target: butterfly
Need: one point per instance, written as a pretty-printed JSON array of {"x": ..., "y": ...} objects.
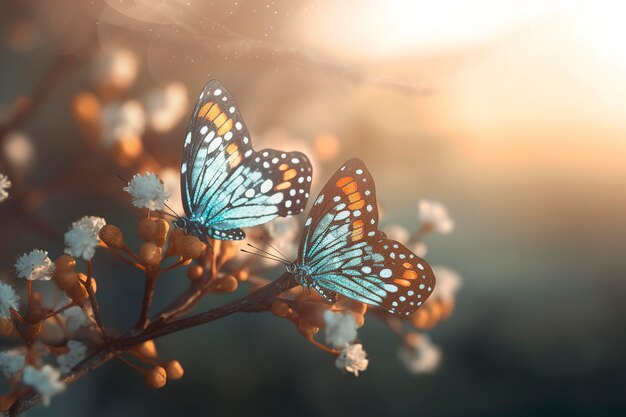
[
  {"x": 225, "y": 184},
  {"x": 343, "y": 252}
]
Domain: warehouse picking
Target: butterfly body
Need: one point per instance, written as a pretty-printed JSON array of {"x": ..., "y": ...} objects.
[
  {"x": 226, "y": 185},
  {"x": 343, "y": 252}
]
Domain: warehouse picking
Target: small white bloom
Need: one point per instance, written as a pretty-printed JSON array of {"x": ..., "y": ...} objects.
[
  {"x": 45, "y": 381},
  {"x": 82, "y": 238},
  {"x": 117, "y": 68},
  {"x": 166, "y": 107},
  {"x": 35, "y": 265},
  {"x": 8, "y": 299},
  {"x": 77, "y": 352},
  {"x": 448, "y": 283},
  {"x": 397, "y": 233},
  {"x": 147, "y": 191},
  {"x": 422, "y": 358},
  {"x": 122, "y": 121},
  {"x": 340, "y": 329},
  {"x": 12, "y": 361},
  {"x": 76, "y": 318},
  {"x": 19, "y": 149},
  {"x": 283, "y": 232},
  {"x": 352, "y": 359},
  {"x": 435, "y": 216},
  {"x": 5, "y": 184}
]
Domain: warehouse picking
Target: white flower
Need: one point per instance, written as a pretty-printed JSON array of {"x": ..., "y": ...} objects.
[
  {"x": 5, "y": 184},
  {"x": 435, "y": 216},
  {"x": 12, "y": 361},
  {"x": 166, "y": 107},
  {"x": 76, "y": 318},
  {"x": 352, "y": 359},
  {"x": 45, "y": 381},
  {"x": 35, "y": 265},
  {"x": 122, "y": 121},
  {"x": 448, "y": 283},
  {"x": 147, "y": 191},
  {"x": 8, "y": 299},
  {"x": 77, "y": 352},
  {"x": 283, "y": 233},
  {"x": 424, "y": 357},
  {"x": 340, "y": 329},
  {"x": 19, "y": 149},
  {"x": 397, "y": 233},
  {"x": 82, "y": 238},
  {"x": 118, "y": 68}
]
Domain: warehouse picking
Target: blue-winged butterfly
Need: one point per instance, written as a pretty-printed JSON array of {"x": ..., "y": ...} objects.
[
  {"x": 225, "y": 184},
  {"x": 343, "y": 252}
]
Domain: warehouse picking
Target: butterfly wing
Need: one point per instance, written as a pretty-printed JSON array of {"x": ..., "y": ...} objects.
[
  {"x": 226, "y": 185},
  {"x": 342, "y": 251}
]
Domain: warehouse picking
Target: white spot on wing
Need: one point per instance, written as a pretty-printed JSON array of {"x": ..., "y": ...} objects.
[{"x": 266, "y": 186}]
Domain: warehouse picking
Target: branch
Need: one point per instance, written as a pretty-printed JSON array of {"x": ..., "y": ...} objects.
[{"x": 257, "y": 301}]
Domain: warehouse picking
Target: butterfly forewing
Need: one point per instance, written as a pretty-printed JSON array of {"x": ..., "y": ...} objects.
[
  {"x": 226, "y": 184},
  {"x": 343, "y": 251}
]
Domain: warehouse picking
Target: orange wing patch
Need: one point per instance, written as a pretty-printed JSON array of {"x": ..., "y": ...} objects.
[
  {"x": 350, "y": 189},
  {"x": 213, "y": 113},
  {"x": 357, "y": 230}
]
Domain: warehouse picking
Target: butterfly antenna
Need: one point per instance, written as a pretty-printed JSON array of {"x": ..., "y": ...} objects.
[
  {"x": 165, "y": 213},
  {"x": 260, "y": 255},
  {"x": 283, "y": 261},
  {"x": 276, "y": 249},
  {"x": 172, "y": 210}
]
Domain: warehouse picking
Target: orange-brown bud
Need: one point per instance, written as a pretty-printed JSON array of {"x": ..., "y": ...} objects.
[
  {"x": 243, "y": 275},
  {"x": 174, "y": 370},
  {"x": 147, "y": 349},
  {"x": 112, "y": 236},
  {"x": 147, "y": 229},
  {"x": 190, "y": 247},
  {"x": 226, "y": 284},
  {"x": 65, "y": 279},
  {"x": 6, "y": 326},
  {"x": 307, "y": 329},
  {"x": 155, "y": 378},
  {"x": 77, "y": 293},
  {"x": 420, "y": 319},
  {"x": 150, "y": 254},
  {"x": 195, "y": 272},
  {"x": 313, "y": 312},
  {"x": 94, "y": 284},
  {"x": 280, "y": 309},
  {"x": 65, "y": 263},
  {"x": 160, "y": 235},
  {"x": 176, "y": 237},
  {"x": 358, "y": 307}
]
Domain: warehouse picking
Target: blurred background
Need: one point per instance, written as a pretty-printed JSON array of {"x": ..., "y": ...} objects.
[{"x": 510, "y": 113}]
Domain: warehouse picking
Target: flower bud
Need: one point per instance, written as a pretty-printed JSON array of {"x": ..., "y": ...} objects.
[
  {"x": 160, "y": 235},
  {"x": 147, "y": 229},
  {"x": 313, "y": 313},
  {"x": 6, "y": 326},
  {"x": 174, "y": 370},
  {"x": 94, "y": 284},
  {"x": 112, "y": 236},
  {"x": 150, "y": 254},
  {"x": 65, "y": 263},
  {"x": 226, "y": 284},
  {"x": 190, "y": 247},
  {"x": 146, "y": 349},
  {"x": 307, "y": 329},
  {"x": 358, "y": 307},
  {"x": 420, "y": 319},
  {"x": 176, "y": 238},
  {"x": 195, "y": 272},
  {"x": 243, "y": 275},
  {"x": 280, "y": 309},
  {"x": 77, "y": 293},
  {"x": 155, "y": 378},
  {"x": 65, "y": 279}
]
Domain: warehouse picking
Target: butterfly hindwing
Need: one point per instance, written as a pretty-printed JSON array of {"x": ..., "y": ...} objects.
[
  {"x": 226, "y": 184},
  {"x": 343, "y": 251}
]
